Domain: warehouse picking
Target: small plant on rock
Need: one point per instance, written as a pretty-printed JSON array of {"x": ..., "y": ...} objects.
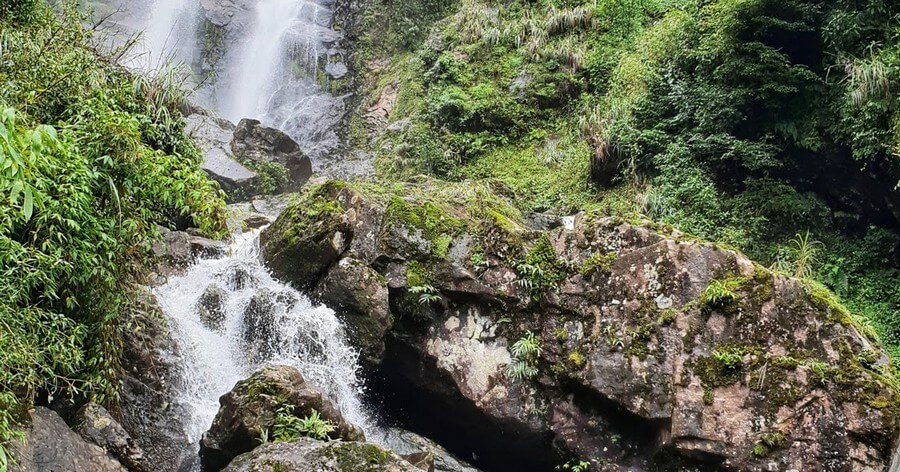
[
  {"x": 580, "y": 466},
  {"x": 729, "y": 358},
  {"x": 289, "y": 427},
  {"x": 720, "y": 293},
  {"x": 525, "y": 353},
  {"x": 427, "y": 294}
]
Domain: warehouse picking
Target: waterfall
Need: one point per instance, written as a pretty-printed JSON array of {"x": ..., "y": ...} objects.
[
  {"x": 294, "y": 332},
  {"x": 260, "y": 63},
  {"x": 168, "y": 34}
]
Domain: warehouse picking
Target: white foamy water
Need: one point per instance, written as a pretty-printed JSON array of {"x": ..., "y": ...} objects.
[{"x": 307, "y": 337}]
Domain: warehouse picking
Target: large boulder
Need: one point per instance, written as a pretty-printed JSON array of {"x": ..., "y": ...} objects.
[
  {"x": 214, "y": 137},
  {"x": 248, "y": 412},
  {"x": 261, "y": 144},
  {"x": 305, "y": 241},
  {"x": 50, "y": 446},
  {"x": 309, "y": 455},
  {"x": 625, "y": 342},
  {"x": 359, "y": 295}
]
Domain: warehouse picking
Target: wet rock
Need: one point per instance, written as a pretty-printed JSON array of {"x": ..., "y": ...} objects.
[
  {"x": 239, "y": 278},
  {"x": 214, "y": 137},
  {"x": 412, "y": 446},
  {"x": 359, "y": 296},
  {"x": 149, "y": 413},
  {"x": 206, "y": 248},
  {"x": 299, "y": 247},
  {"x": 173, "y": 251},
  {"x": 211, "y": 307},
  {"x": 308, "y": 455},
  {"x": 51, "y": 446},
  {"x": 422, "y": 460},
  {"x": 259, "y": 326},
  {"x": 261, "y": 144},
  {"x": 97, "y": 426},
  {"x": 247, "y": 413}
]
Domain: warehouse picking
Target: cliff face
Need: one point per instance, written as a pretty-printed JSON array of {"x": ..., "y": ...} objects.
[{"x": 628, "y": 342}]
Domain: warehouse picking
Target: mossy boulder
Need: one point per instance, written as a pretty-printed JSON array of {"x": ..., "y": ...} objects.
[
  {"x": 308, "y": 455},
  {"x": 699, "y": 349},
  {"x": 306, "y": 240},
  {"x": 248, "y": 412}
]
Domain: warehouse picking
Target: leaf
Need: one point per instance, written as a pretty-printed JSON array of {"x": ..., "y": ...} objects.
[
  {"x": 28, "y": 205},
  {"x": 16, "y": 190}
]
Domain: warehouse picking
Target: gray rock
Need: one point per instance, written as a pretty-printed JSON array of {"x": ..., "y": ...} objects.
[
  {"x": 97, "y": 426},
  {"x": 211, "y": 307},
  {"x": 259, "y": 330},
  {"x": 174, "y": 251},
  {"x": 308, "y": 455},
  {"x": 149, "y": 414},
  {"x": 214, "y": 137},
  {"x": 406, "y": 443},
  {"x": 247, "y": 413},
  {"x": 262, "y": 144},
  {"x": 50, "y": 446}
]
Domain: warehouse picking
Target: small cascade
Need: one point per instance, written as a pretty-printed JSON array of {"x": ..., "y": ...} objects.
[{"x": 251, "y": 321}]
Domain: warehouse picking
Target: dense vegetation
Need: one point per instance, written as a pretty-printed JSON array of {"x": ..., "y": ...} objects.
[
  {"x": 772, "y": 126},
  {"x": 92, "y": 158}
]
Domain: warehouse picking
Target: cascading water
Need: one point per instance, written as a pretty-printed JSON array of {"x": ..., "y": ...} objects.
[
  {"x": 260, "y": 63},
  {"x": 265, "y": 323},
  {"x": 169, "y": 22}
]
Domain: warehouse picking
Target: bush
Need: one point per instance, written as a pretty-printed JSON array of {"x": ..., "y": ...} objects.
[{"x": 81, "y": 201}]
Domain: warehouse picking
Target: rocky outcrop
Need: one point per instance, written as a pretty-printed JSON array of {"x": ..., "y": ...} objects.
[
  {"x": 309, "y": 455},
  {"x": 248, "y": 412},
  {"x": 175, "y": 251},
  {"x": 622, "y": 341},
  {"x": 248, "y": 159},
  {"x": 261, "y": 144},
  {"x": 50, "y": 445},
  {"x": 214, "y": 136},
  {"x": 211, "y": 307}
]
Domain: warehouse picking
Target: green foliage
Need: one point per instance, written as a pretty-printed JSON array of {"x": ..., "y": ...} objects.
[
  {"x": 580, "y": 466},
  {"x": 427, "y": 294},
  {"x": 525, "y": 353},
  {"x": 91, "y": 160},
  {"x": 289, "y": 427},
  {"x": 721, "y": 292}
]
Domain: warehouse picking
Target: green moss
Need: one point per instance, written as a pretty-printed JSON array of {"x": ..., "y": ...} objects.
[
  {"x": 358, "y": 457},
  {"x": 434, "y": 223},
  {"x": 577, "y": 359},
  {"x": 598, "y": 263},
  {"x": 767, "y": 443},
  {"x": 417, "y": 274}
]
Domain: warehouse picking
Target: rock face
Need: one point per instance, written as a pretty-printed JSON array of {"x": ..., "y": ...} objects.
[
  {"x": 626, "y": 342},
  {"x": 309, "y": 455},
  {"x": 150, "y": 416},
  {"x": 248, "y": 412},
  {"x": 51, "y": 446}
]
